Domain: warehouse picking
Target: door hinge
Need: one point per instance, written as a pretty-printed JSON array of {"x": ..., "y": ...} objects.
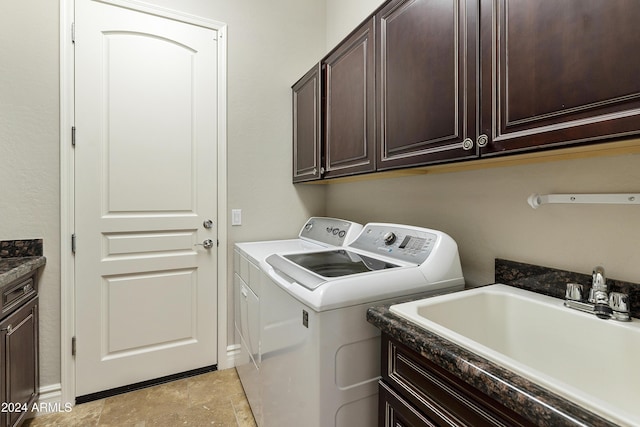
[
  {"x": 73, "y": 32},
  {"x": 73, "y": 243},
  {"x": 73, "y": 136},
  {"x": 217, "y": 243},
  {"x": 73, "y": 346}
]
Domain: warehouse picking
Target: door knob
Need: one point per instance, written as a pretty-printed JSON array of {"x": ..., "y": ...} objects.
[
  {"x": 207, "y": 244},
  {"x": 208, "y": 224}
]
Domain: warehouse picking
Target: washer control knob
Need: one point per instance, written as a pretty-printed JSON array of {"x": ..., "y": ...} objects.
[
  {"x": 335, "y": 231},
  {"x": 342, "y": 233},
  {"x": 389, "y": 238}
]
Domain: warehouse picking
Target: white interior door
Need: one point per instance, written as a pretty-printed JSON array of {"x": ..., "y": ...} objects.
[{"x": 145, "y": 179}]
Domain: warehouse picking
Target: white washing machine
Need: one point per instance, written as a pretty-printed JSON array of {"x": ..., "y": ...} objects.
[
  {"x": 318, "y": 233},
  {"x": 320, "y": 358}
]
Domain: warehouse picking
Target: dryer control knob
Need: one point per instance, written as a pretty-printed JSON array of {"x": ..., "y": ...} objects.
[{"x": 389, "y": 238}]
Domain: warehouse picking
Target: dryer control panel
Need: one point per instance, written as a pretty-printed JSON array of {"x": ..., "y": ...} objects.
[
  {"x": 406, "y": 243},
  {"x": 332, "y": 231}
]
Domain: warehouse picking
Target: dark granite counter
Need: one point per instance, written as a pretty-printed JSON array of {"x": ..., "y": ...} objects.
[
  {"x": 13, "y": 268},
  {"x": 553, "y": 282},
  {"x": 19, "y": 258},
  {"x": 532, "y": 401}
]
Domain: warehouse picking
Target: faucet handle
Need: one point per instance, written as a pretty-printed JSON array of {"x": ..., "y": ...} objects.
[
  {"x": 599, "y": 281},
  {"x": 619, "y": 303},
  {"x": 574, "y": 292}
]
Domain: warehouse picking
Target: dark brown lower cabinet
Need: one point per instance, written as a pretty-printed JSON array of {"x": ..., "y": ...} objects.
[
  {"x": 416, "y": 392},
  {"x": 19, "y": 363}
]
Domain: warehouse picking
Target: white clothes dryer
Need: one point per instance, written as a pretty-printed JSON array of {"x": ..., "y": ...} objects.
[{"x": 318, "y": 233}]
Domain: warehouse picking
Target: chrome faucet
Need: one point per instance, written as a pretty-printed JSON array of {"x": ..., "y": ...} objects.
[
  {"x": 600, "y": 294},
  {"x": 603, "y": 304}
]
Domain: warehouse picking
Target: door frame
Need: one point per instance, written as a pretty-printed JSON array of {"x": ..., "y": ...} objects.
[{"x": 225, "y": 355}]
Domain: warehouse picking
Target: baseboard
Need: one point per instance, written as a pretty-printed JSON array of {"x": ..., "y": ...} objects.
[
  {"x": 49, "y": 402},
  {"x": 233, "y": 351}
]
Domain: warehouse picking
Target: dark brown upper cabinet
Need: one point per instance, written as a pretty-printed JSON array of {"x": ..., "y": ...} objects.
[
  {"x": 558, "y": 72},
  {"x": 349, "y": 104},
  {"x": 427, "y": 67},
  {"x": 454, "y": 80},
  {"x": 307, "y": 124}
]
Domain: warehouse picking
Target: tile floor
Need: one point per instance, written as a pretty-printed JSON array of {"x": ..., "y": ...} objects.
[{"x": 215, "y": 399}]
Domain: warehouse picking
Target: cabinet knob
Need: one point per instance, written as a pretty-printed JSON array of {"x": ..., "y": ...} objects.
[
  {"x": 467, "y": 144},
  {"x": 483, "y": 140}
]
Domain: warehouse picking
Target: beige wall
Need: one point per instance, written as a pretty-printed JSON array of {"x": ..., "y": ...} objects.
[
  {"x": 343, "y": 17},
  {"x": 29, "y": 151},
  {"x": 487, "y": 213}
]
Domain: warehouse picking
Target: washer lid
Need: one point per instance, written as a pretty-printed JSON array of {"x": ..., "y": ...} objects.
[
  {"x": 312, "y": 269},
  {"x": 338, "y": 263}
]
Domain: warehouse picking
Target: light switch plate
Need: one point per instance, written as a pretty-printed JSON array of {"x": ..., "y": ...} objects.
[{"x": 236, "y": 216}]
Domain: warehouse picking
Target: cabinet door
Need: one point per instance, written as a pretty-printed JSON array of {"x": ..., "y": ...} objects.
[
  {"x": 350, "y": 104},
  {"x": 394, "y": 411},
  {"x": 307, "y": 126},
  {"x": 559, "y": 72},
  {"x": 427, "y": 68},
  {"x": 20, "y": 361},
  {"x": 423, "y": 393}
]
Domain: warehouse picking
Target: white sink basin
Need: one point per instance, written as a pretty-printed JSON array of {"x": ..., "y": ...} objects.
[{"x": 592, "y": 362}]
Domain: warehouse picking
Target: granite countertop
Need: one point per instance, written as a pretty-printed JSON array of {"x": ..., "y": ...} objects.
[
  {"x": 519, "y": 394},
  {"x": 14, "y": 268},
  {"x": 19, "y": 258}
]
